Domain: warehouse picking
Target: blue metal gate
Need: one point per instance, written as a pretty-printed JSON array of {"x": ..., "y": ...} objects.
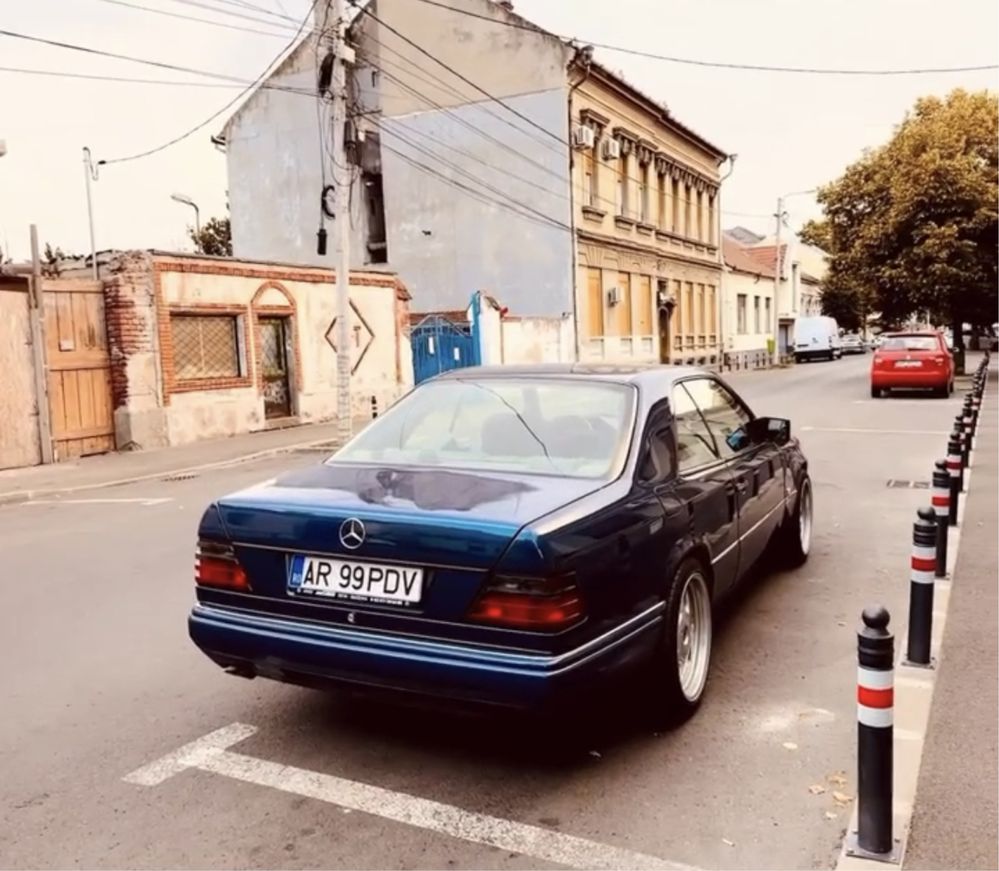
[{"x": 440, "y": 345}]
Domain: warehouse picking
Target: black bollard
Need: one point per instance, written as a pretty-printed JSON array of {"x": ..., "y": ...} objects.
[
  {"x": 968, "y": 422},
  {"x": 959, "y": 428},
  {"x": 921, "y": 576},
  {"x": 954, "y": 468},
  {"x": 941, "y": 507},
  {"x": 875, "y": 732}
]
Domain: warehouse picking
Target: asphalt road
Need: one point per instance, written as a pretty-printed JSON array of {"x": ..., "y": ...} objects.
[{"x": 99, "y": 679}]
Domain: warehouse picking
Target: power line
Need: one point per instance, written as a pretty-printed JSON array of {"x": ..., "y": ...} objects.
[
  {"x": 212, "y": 8},
  {"x": 152, "y": 63},
  {"x": 244, "y": 4},
  {"x": 180, "y": 15},
  {"x": 227, "y": 106},
  {"x": 719, "y": 64},
  {"x": 129, "y": 80}
]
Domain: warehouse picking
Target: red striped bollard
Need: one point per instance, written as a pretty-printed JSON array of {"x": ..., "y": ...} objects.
[
  {"x": 941, "y": 507},
  {"x": 976, "y": 407},
  {"x": 954, "y": 468},
  {"x": 875, "y": 734},
  {"x": 921, "y": 576}
]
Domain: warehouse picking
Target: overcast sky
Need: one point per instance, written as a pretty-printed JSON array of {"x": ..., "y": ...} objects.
[{"x": 791, "y": 132}]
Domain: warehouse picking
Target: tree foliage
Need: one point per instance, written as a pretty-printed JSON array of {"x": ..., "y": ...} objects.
[
  {"x": 215, "y": 238},
  {"x": 912, "y": 226}
]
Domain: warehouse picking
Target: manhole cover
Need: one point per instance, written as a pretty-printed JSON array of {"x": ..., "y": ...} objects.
[
  {"x": 180, "y": 477},
  {"x": 904, "y": 484}
]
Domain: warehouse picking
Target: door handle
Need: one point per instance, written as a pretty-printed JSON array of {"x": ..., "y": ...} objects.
[{"x": 741, "y": 486}]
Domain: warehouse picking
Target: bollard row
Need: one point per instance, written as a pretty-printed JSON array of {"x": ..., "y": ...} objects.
[{"x": 876, "y": 644}]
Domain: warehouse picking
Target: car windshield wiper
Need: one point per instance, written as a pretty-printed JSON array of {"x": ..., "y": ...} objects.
[{"x": 523, "y": 422}]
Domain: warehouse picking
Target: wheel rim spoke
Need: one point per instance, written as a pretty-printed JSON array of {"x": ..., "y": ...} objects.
[{"x": 693, "y": 636}]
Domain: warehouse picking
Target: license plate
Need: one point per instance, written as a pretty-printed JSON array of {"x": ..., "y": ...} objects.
[
  {"x": 354, "y": 581},
  {"x": 908, "y": 364}
]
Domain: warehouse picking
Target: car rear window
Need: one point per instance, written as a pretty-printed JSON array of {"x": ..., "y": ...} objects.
[
  {"x": 567, "y": 427},
  {"x": 910, "y": 343}
]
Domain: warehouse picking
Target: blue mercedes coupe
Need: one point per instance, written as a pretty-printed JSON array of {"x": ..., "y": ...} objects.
[{"x": 516, "y": 537}]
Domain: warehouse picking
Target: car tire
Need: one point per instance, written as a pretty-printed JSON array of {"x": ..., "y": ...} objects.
[
  {"x": 942, "y": 392},
  {"x": 794, "y": 539},
  {"x": 678, "y": 673},
  {"x": 875, "y": 393}
]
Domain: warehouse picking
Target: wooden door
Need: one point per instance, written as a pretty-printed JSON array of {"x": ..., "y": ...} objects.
[
  {"x": 78, "y": 367},
  {"x": 274, "y": 367}
]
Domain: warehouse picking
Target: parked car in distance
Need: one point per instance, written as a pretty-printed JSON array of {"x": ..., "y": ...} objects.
[
  {"x": 816, "y": 338},
  {"x": 510, "y": 536},
  {"x": 853, "y": 343},
  {"x": 916, "y": 360}
]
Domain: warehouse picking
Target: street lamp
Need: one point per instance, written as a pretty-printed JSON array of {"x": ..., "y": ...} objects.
[
  {"x": 778, "y": 270},
  {"x": 187, "y": 201}
]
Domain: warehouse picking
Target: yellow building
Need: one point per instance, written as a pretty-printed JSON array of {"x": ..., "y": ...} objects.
[{"x": 647, "y": 227}]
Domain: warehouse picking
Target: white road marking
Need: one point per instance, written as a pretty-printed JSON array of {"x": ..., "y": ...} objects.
[
  {"x": 136, "y": 501},
  {"x": 210, "y": 754},
  {"x": 873, "y": 431}
]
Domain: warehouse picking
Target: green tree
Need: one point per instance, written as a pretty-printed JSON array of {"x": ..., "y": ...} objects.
[
  {"x": 912, "y": 226},
  {"x": 215, "y": 238}
]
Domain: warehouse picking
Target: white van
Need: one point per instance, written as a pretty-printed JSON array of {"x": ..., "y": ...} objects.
[{"x": 816, "y": 338}]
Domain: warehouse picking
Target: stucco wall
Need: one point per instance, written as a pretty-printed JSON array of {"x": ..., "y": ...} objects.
[
  {"x": 538, "y": 340},
  {"x": 383, "y": 372},
  {"x": 466, "y": 210},
  {"x": 734, "y": 284},
  {"x": 19, "y": 444}
]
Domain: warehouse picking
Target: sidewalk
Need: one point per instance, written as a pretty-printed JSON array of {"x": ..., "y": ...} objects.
[
  {"x": 954, "y": 822},
  {"x": 18, "y": 485}
]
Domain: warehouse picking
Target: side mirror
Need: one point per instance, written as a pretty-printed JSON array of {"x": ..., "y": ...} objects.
[{"x": 769, "y": 429}]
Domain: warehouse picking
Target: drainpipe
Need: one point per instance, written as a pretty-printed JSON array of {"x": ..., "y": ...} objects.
[
  {"x": 722, "y": 295},
  {"x": 582, "y": 56}
]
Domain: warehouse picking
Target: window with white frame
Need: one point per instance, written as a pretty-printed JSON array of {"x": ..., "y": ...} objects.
[{"x": 740, "y": 314}]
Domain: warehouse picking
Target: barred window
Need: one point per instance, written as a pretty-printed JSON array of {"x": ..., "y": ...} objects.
[{"x": 206, "y": 346}]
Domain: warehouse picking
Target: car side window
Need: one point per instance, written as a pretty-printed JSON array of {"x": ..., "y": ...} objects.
[
  {"x": 695, "y": 445},
  {"x": 726, "y": 417},
  {"x": 658, "y": 460}
]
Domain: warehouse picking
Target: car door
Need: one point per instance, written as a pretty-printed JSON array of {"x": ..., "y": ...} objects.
[
  {"x": 756, "y": 468},
  {"x": 705, "y": 489}
]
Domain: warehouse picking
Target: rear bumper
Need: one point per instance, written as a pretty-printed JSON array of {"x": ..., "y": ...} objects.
[
  {"x": 812, "y": 353},
  {"x": 252, "y": 645},
  {"x": 914, "y": 378}
]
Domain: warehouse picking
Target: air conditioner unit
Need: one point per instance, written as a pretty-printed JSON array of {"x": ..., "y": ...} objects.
[
  {"x": 614, "y": 296},
  {"x": 583, "y": 137},
  {"x": 612, "y": 149}
]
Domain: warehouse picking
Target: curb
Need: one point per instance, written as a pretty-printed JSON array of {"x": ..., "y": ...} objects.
[{"x": 16, "y": 497}]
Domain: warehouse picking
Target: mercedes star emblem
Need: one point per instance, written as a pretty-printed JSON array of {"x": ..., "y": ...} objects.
[{"x": 352, "y": 533}]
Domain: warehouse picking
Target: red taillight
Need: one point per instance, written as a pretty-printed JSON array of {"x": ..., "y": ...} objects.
[
  {"x": 940, "y": 361},
  {"x": 215, "y": 565},
  {"x": 547, "y": 604}
]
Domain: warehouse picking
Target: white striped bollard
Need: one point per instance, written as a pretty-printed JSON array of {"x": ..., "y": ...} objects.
[
  {"x": 875, "y": 734},
  {"x": 954, "y": 468},
  {"x": 941, "y": 507},
  {"x": 921, "y": 576}
]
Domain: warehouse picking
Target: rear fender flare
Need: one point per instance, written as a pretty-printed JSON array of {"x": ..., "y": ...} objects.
[{"x": 686, "y": 548}]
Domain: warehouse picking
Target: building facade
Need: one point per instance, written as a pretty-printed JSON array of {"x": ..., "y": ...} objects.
[
  {"x": 747, "y": 303},
  {"x": 491, "y": 155},
  {"x": 647, "y": 216}
]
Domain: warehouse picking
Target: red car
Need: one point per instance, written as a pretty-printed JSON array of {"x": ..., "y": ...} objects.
[{"x": 918, "y": 361}]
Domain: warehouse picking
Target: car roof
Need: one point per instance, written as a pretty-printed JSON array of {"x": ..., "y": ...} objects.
[{"x": 642, "y": 375}]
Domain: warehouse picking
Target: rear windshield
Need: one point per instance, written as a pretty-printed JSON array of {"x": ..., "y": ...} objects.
[
  {"x": 910, "y": 343},
  {"x": 579, "y": 429}
]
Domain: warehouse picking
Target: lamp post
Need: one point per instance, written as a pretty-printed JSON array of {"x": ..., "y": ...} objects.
[
  {"x": 779, "y": 268},
  {"x": 187, "y": 201},
  {"x": 90, "y": 173}
]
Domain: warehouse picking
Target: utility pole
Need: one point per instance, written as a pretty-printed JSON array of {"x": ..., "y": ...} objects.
[
  {"x": 341, "y": 184},
  {"x": 89, "y": 173},
  {"x": 777, "y": 277}
]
